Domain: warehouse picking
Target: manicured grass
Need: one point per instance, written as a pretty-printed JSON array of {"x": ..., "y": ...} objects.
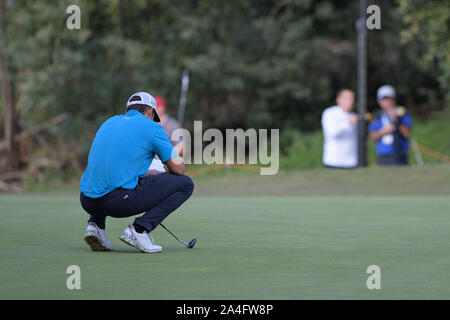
[{"x": 310, "y": 247}]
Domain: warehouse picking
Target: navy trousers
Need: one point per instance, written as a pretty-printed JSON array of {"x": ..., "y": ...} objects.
[
  {"x": 392, "y": 160},
  {"x": 156, "y": 195}
]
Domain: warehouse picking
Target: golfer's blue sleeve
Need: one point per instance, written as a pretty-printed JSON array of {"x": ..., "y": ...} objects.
[{"x": 162, "y": 146}]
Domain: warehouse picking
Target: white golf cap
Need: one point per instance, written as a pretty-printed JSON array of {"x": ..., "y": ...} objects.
[
  {"x": 145, "y": 99},
  {"x": 386, "y": 91}
]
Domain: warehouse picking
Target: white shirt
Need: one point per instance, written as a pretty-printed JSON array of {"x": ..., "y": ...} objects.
[
  {"x": 340, "y": 138},
  {"x": 157, "y": 165}
]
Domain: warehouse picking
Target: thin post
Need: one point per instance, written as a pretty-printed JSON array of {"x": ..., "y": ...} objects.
[{"x": 362, "y": 84}]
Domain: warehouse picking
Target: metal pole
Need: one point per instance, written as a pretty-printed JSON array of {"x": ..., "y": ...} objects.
[
  {"x": 362, "y": 84},
  {"x": 184, "y": 89}
]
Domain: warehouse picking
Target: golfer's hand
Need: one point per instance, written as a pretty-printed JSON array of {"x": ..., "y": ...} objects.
[
  {"x": 179, "y": 148},
  {"x": 152, "y": 173}
]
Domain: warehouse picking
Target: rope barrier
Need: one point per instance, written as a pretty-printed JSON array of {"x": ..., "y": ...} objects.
[
  {"x": 256, "y": 169},
  {"x": 433, "y": 153}
]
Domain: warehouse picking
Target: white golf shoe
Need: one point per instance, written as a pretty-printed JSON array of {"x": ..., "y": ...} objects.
[
  {"x": 141, "y": 241},
  {"x": 96, "y": 238}
]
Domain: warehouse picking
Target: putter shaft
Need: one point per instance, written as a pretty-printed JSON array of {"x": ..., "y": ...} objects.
[{"x": 173, "y": 235}]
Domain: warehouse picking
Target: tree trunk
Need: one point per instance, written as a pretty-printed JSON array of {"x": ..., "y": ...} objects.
[{"x": 12, "y": 150}]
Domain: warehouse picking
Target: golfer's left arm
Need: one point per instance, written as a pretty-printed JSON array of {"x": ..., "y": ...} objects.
[
  {"x": 175, "y": 165},
  {"x": 169, "y": 155}
]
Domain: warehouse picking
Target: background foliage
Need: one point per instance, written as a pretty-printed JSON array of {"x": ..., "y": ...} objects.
[{"x": 271, "y": 64}]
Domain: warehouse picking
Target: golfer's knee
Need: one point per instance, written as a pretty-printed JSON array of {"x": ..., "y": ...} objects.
[{"x": 187, "y": 185}]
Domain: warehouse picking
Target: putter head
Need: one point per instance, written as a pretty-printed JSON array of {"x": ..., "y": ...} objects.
[{"x": 191, "y": 243}]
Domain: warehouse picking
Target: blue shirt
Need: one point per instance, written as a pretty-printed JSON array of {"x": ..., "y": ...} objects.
[
  {"x": 122, "y": 151},
  {"x": 386, "y": 144}
]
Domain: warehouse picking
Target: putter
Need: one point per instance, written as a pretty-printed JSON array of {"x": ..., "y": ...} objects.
[{"x": 189, "y": 245}]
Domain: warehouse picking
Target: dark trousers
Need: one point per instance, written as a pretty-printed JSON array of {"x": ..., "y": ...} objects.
[
  {"x": 156, "y": 195},
  {"x": 392, "y": 160}
]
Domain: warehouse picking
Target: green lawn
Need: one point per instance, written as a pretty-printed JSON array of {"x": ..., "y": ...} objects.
[{"x": 292, "y": 247}]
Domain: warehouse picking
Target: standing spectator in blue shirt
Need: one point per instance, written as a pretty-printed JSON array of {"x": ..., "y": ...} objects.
[
  {"x": 390, "y": 129},
  {"x": 116, "y": 182}
]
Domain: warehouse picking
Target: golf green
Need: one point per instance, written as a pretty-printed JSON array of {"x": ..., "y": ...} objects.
[{"x": 308, "y": 247}]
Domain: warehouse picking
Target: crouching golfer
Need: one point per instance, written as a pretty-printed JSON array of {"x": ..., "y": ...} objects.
[{"x": 115, "y": 182}]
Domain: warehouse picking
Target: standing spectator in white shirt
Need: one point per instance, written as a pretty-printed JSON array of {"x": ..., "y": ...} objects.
[{"x": 339, "y": 125}]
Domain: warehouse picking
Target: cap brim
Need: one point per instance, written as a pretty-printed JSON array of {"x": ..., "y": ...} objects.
[{"x": 156, "y": 118}]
